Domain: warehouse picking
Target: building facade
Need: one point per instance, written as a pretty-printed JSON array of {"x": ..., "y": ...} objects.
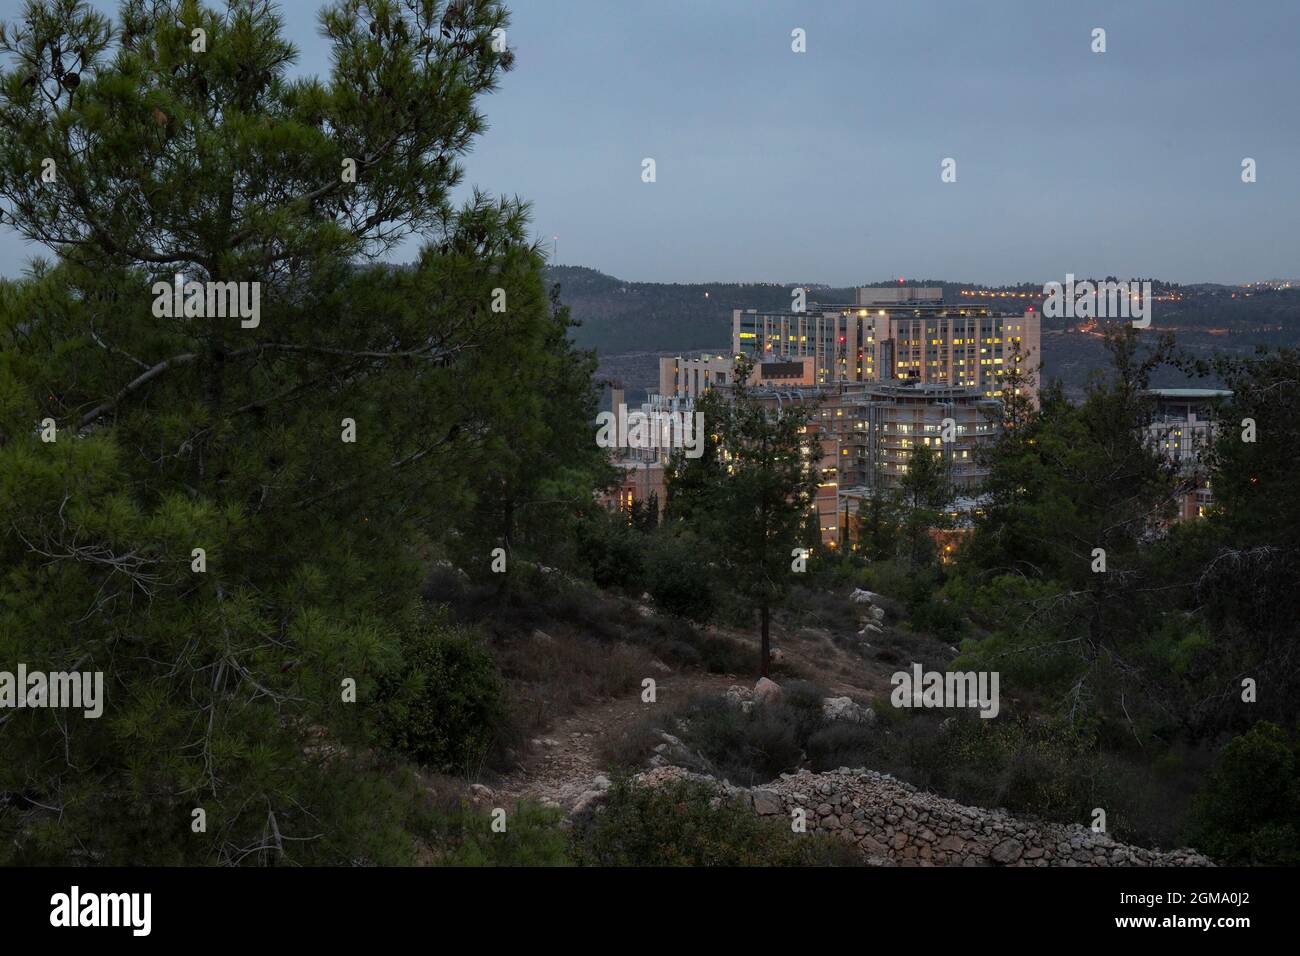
[
  {"x": 688, "y": 378},
  {"x": 912, "y": 336},
  {"x": 1182, "y": 429}
]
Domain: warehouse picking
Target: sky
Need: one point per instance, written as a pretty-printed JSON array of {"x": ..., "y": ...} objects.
[{"x": 824, "y": 166}]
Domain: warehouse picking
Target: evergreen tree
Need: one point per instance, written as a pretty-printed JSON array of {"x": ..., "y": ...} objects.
[
  {"x": 923, "y": 492},
  {"x": 751, "y": 493},
  {"x": 226, "y": 522}
]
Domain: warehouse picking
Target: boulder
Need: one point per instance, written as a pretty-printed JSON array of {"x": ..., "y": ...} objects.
[
  {"x": 766, "y": 802},
  {"x": 767, "y": 691},
  {"x": 878, "y": 613},
  {"x": 846, "y": 709},
  {"x": 859, "y": 596},
  {"x": 1008, "y": 851}
]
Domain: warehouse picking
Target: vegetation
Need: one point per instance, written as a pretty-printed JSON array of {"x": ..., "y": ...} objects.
[
  {"x": 203, "y": 529},
  {"x": 688, "y": 824},
  {"x": 749, "y": 494}
]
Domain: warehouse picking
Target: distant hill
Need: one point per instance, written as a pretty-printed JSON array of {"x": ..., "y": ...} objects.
[
  {"x": 621, "y": 316},
  {"x": 618, "y": 316},
  {"x": 631, "y": 324}
]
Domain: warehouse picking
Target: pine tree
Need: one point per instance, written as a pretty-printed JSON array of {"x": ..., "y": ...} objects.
[
  {"x": 227, "y": 522},
  {"x": 751, "y": 493}
]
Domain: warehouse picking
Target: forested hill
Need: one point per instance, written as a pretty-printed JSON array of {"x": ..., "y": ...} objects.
[{"x": 620, "y": 316}]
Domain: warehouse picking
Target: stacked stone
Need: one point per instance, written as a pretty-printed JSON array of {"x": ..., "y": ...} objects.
[{"x": 894, "y": 824}]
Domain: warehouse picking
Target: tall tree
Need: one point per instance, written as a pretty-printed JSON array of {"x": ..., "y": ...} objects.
[
  {"x": 751, "y": 493},
  {"x": 225, "y": 524},
  {"x": 924, "y": 490}
]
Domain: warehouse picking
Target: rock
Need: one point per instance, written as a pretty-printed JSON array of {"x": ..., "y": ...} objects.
[
  {"x": 600, "y": 782},
  {"x": 585, "y": 800},
  {"x": 776, "y": 655},
  {"x": 873, "y": 629},
  {"x": 860, "y": 596},
  {"x": 479, "y": 795},
  {"x": 846, "y": 709},
  {"x": 878, "y": 613},
  {"x": 541, "y": 637},
  {"x": 660, "y": 666},
  {"x": 766, "y": 802},
  {"x": 735, "y": 694},
  {"x": 767, "y": 691},
  {"x": 1008, "y": 851},
  {"x": 892, "y": 823}
]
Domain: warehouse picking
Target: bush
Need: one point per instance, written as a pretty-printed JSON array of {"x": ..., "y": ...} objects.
[
  {"x": 443, "y": 707},
  {"x": 1249, "y": 810},
  {"x": 677, "y": 580},
  {"x": 613, "y": 549},
  {"x": 940, "y": 618},
  {"x": 745, "y": 748},
  {"x": 533, "y": 837},
  {"x": 687, "y": 824},
  {"x": 841, "y": 744}
]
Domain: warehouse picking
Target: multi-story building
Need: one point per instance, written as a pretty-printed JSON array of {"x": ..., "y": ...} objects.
[
  {"x": 913, "y": 335},
  {"x": 889, "y": 420},
  {"x": 866, "y": 434},
  {"x": 1182, "y": 428},
  {"x": 685, "y": 377}
]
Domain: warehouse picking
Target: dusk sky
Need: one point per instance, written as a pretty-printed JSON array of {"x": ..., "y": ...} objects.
[{"x": 825, "y": 166}]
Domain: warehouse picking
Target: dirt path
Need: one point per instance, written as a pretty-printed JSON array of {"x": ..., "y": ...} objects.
[{"x": 562, "y": 762}]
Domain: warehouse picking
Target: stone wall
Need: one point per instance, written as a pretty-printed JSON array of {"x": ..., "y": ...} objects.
[{"x": 894, "y": 824}]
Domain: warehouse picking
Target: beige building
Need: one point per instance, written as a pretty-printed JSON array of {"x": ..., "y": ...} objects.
[
  {"x": 685, "y": 377},
  {"x": 911, "y": 337}
]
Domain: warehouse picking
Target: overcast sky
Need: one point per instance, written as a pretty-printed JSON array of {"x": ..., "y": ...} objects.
[{"x": 824, "y": 166}]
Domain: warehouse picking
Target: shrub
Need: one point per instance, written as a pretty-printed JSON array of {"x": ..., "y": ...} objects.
[
  {"x": 678, "y": 581},
  {"x": 687, "y": 824},
  {"x": 841, "y": 744},
  {"x": 613, "y": 549},
  {"x": 940, "y": 618},
  {"x": 743, "y": 748},
  {"x": 1249, "y": 809},
  {"x": 443, "y": 707},
  {"x": 533, "y": 837}
]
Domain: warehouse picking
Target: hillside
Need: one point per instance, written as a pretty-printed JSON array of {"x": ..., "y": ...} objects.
[{"x": 631, "y": 324}]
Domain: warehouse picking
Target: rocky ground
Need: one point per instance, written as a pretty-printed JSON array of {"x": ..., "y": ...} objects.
[{"x": 563, "y": 768}]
